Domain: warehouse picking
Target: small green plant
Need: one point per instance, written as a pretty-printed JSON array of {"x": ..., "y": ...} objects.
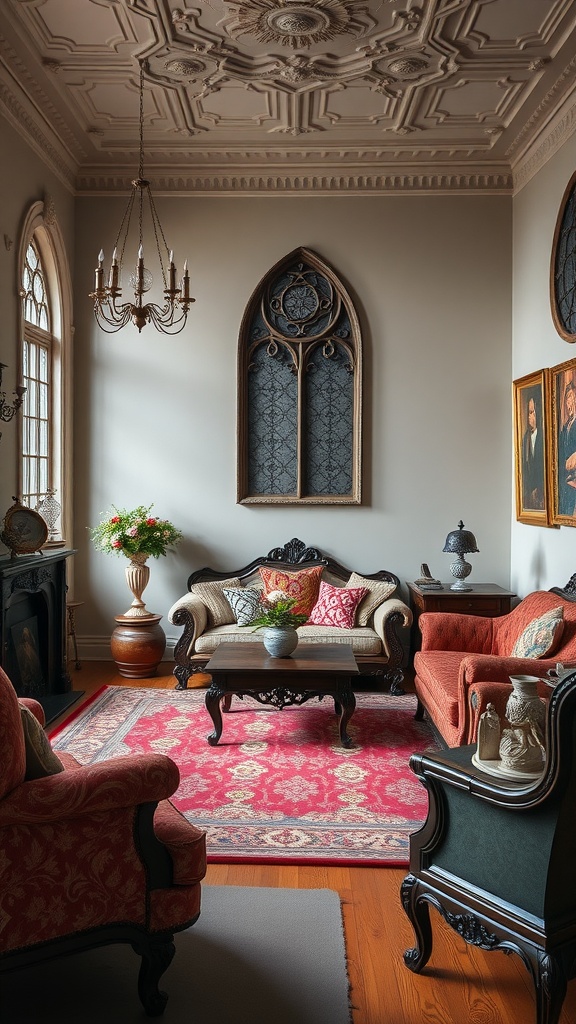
[
  {"x": 277, "y": 611},
  {"x": 134, "y": 533}
]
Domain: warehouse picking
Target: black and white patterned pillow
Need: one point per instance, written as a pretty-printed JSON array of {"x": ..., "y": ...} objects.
[{"x": 244, "y": 602}]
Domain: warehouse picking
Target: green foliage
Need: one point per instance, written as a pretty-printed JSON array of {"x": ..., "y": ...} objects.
[
  {"x": 277, "y": 611},
  {"x": 136, "y": 532}
]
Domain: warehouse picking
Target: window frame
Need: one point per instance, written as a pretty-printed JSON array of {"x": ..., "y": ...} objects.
[{"x": 41, "y": 226}]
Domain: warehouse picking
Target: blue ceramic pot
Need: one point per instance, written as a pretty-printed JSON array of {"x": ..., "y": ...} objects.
[{"x": 280, "y": 641}]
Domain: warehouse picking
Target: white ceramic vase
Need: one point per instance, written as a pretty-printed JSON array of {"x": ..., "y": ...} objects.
[
  {"x": 524, "y": 704},
  {"x": 280, "y": 641}
]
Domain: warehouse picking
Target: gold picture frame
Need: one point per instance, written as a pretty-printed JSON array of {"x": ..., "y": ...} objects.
[
  {"x": 562, "y": 447},
  {"x": 531, "y": 436}
]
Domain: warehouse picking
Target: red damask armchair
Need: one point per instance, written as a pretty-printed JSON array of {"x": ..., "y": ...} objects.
[
  {"x": 91, "y": 855},
  {"x": 465, "y": 661}
]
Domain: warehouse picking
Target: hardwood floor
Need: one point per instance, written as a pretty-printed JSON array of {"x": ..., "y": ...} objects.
[{"x": 460, "y": 983}]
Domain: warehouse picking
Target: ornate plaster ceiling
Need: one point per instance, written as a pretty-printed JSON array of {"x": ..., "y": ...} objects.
[{"x": 292, "y": 95}]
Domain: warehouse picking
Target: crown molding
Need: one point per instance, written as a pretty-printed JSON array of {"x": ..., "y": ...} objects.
[
  {"x": 40, "y": 141},
  {"x": 557, "y": 132},
  {"x": 322, "y": 180}
]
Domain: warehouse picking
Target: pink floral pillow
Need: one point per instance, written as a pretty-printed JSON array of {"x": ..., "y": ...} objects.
[{"x": 336, "y": 606}]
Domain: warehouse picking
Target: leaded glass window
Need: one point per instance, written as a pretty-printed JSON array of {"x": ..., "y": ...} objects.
[{"x": 300, "y": 388}]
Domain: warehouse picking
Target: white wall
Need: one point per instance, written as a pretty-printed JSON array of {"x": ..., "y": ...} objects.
[
  {"x": 540, "y": 557},
  {"x": 156, "y": 416}
]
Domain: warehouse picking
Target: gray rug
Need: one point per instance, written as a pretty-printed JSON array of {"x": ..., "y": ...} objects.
[{"x": 255, "y": 956}]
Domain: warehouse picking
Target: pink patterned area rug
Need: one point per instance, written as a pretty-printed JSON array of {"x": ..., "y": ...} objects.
[{"x": 278, "y": 787}]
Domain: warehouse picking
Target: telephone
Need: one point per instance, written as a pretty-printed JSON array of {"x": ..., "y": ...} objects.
[{"x": 427, "y": 580}]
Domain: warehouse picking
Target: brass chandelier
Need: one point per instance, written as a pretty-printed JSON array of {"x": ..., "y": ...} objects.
[{"x": 111, "y": 314}]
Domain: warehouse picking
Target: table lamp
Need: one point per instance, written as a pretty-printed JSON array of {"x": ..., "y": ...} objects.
[{"x": 460, "y": 542}]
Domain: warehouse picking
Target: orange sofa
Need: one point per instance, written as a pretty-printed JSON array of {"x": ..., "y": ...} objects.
[{"x": 465, "y": 661}]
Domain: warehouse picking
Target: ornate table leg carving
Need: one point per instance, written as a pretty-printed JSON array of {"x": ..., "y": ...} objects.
[
  {"x": 346, "y": 702},
  {"x": 551, "y": 985},
  {"x": 213, "y": 697}
]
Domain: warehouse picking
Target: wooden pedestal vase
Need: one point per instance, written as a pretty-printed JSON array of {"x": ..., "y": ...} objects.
[{"x": 138, "y": 645}]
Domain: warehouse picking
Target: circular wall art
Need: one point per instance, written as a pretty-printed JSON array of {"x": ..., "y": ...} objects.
[{"x": 563, "y": 266}]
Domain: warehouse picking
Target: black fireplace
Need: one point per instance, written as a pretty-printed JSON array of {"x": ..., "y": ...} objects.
[{"x": 33, "y": 628}]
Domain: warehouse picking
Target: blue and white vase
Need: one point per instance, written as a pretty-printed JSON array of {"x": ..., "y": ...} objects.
[{"x": 280, "y": 641}]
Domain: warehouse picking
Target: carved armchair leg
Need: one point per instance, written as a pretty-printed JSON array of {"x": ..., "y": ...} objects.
[
  {"x": 419, "y": 714},
  {"x": 156, "y": 958},
  {"x": 419, "y": 914}
]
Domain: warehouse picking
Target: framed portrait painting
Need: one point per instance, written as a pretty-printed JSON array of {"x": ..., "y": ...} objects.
[
  {"x": 531, "y": 449},
  {"x": 562, "y": 463}
]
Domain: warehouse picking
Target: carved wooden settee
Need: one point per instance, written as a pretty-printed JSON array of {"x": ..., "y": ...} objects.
[{"x": 377, "y": 647}]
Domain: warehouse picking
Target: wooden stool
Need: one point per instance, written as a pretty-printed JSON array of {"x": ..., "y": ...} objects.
[{"x": 71, "y": 607}]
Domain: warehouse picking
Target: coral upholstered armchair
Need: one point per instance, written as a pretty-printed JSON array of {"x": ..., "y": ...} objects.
[
  {"x": 466, "y": 660},
  {"x": 90, "y": 855}
]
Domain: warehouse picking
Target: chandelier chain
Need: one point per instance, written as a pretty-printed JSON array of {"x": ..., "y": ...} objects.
[{"x": 171, "y": 316}]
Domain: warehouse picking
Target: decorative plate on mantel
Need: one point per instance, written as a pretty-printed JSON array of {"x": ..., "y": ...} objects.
[{"x": 25, "y": 531}]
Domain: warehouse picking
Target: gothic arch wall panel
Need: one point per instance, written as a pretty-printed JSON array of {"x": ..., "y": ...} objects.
[{"x": 300, "y": 388}]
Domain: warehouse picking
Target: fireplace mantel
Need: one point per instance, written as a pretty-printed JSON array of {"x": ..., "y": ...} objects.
[{"x": 33, "y": 627}]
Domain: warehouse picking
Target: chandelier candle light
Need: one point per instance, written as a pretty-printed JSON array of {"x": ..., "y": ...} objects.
[{"x": 111, "y": 314}]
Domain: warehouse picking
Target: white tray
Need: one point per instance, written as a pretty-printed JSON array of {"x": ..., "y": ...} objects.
[{"x": 495, "y": 768}]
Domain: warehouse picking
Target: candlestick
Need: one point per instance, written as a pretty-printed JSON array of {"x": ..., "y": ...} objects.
[
  {"x": 172, "y": 272},
  {"x": 99, "y": 273}
]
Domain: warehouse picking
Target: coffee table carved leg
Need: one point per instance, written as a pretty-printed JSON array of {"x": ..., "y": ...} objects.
[
  {"x": 214, "y": 695},
  {"x": 346, "y": 703},
  {"x": 227, "y": 702}
]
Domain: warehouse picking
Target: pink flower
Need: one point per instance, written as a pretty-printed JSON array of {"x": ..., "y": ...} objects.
[{"x": 133, "y": 531}]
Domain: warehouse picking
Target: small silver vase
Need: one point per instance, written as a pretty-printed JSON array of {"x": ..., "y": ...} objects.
[{"x": 280, "y": 641}]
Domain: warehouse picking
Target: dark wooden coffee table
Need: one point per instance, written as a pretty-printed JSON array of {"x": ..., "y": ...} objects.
[{"x": 313, "y": 671}]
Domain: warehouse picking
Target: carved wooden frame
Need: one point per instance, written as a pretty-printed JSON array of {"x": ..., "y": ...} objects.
[
  {"x": 559, "y": 377},
  {"x": 298, "y": 347},
  {"x": 533, "y": 386}
]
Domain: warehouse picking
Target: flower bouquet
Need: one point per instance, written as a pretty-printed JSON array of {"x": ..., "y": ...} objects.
[{"x": 135, "y": 533}]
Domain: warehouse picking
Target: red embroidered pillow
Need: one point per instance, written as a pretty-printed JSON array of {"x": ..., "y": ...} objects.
[
  {"x": 302, "y": 585},
  {"x": 336, "y": 606}
]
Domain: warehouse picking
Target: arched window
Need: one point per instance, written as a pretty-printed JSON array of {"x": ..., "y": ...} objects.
[
  {"x": 45, "y": 332},
  {"x": 300, "y": 376},
  {"x": 37, "y": 346}
]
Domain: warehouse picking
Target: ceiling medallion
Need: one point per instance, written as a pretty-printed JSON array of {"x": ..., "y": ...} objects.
[
  {"x": 183, "y": 66},
  {"x": 292, "y": 23},
  {"x": 408, "y": 66}
]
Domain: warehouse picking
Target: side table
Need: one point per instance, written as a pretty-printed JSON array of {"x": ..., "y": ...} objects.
[{"x": 484, "y": 599}]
